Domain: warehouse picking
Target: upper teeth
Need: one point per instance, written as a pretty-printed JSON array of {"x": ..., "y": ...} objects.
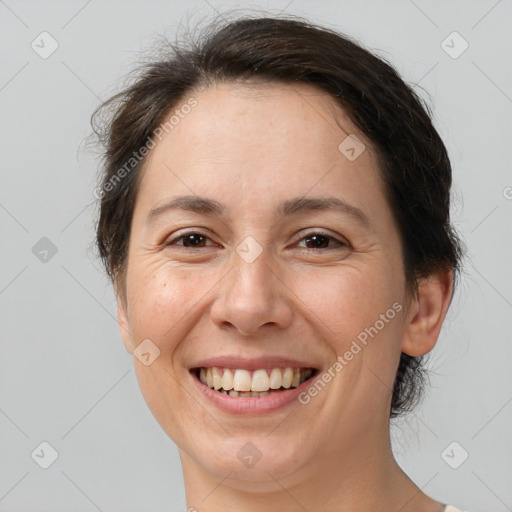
[{"x": 257, "y": 380}]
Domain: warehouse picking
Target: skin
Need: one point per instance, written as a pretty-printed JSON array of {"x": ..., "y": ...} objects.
[{"x": 252, "y": 147}]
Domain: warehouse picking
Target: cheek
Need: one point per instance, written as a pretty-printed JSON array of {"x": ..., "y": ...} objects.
[
  {"x": 358, "y": 312},
  {"x": 166, "y": 301},
  {"x": 162, "y": 302},
  {"x": 346, "y": 299}
]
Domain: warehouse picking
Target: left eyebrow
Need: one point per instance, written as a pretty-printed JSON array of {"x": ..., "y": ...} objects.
[{"x": 297, "y": 205}]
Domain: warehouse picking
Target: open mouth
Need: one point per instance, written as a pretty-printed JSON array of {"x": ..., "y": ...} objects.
[{"x": 243, "y": 383}]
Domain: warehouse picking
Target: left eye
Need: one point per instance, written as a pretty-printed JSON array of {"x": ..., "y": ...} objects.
[{"x": 318, "y": 240}]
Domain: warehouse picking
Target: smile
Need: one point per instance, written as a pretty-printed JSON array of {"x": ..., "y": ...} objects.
[{"x": 242, "y": 383}]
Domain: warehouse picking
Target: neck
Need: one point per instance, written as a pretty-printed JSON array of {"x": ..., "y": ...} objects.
[{"x": 362, "y": 477}]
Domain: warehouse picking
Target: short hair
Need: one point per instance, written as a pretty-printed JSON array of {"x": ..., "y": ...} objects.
[{"x": 413, "y": 161}]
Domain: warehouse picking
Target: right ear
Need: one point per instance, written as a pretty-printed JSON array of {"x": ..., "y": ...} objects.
[{"x": 124, "y": 326}]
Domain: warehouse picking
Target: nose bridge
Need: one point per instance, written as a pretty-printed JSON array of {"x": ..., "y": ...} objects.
[
  {"x": 252, "y": 295},
  {"x": 252, "y": 282},
  {"x": 253, "y": 276}
]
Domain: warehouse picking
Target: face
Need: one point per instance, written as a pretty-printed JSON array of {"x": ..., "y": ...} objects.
[{"x": 261, "y": 276}]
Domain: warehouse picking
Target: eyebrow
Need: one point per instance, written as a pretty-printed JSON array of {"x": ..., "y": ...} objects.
[{"x": 294, "y": 206}]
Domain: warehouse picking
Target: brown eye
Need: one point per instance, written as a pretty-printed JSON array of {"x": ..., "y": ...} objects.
[
  {"x": 190, "y": 240},
  {"x": 314, "y": 240},
  {"x": 317, "y": 241},
  {"x": 321, "y": 241}
]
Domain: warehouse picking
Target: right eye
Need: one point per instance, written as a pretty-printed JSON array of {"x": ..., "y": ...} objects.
[{"x": 191, "y": 240}]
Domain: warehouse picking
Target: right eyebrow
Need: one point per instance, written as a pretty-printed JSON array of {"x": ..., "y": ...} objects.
[{"x": 195, "y": 204}]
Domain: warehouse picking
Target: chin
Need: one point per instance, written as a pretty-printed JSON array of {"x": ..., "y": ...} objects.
[{"x": 253, "y": 463}]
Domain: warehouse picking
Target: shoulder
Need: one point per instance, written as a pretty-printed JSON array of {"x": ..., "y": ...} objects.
[{"x": 451, "y": 508}]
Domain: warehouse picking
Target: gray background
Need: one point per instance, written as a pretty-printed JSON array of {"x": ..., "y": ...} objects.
[{"x": 65, "y": 377}]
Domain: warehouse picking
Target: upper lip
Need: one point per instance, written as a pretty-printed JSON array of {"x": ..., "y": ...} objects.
[{"x": 252, "y": 363}]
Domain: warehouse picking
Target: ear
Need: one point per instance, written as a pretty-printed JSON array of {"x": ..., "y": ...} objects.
[
  {"x": 427, "y": 313},
  {"x": 124, "y": 326}
]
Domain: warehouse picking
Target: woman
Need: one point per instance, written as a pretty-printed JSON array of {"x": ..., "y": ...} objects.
[{"x": 275, "y": 220}]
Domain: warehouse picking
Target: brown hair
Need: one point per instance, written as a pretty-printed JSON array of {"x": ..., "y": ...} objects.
[{"x": 413, "y": 159}]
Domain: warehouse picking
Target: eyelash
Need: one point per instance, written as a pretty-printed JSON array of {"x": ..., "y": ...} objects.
[{"x": 339, "y": 243}]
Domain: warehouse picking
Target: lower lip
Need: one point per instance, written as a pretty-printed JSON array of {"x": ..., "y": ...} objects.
[{"x": 261, "y": 405}]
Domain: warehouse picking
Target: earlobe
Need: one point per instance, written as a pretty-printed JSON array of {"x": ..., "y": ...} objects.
[{"x": 427, "y": 313}]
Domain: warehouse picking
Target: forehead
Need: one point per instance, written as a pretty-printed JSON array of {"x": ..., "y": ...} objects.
[
  {"x": 258, "y": 112},
  {"x": 273, "y": 140}
]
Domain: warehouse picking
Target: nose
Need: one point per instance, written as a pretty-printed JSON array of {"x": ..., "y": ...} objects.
[{"x": 252, "y": 297}]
